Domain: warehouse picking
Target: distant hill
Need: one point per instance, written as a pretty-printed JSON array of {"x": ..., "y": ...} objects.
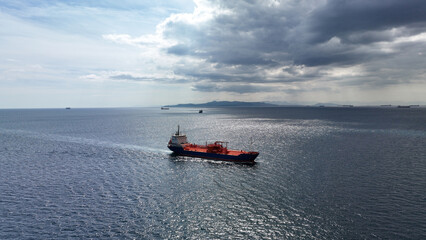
[
  {"x": 327, "y": 105},
  {"x": 225, "y": 104}
]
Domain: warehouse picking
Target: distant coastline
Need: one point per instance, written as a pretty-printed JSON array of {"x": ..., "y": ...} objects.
[
  {"x": 225, "y": 104},
  {"x": 220, "y": 104}
]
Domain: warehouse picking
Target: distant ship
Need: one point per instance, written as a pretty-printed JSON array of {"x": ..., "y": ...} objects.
[
  {"x": 403, "y": 106},
  {"x": 216, "y": 151},
  {"x": 201, "y": 111},
  {"x": 67, "y": 108},
  {"x": 164, "y": 108}
]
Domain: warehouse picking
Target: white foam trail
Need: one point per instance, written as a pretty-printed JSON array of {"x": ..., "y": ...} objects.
[{"x": 80, "y": 140}]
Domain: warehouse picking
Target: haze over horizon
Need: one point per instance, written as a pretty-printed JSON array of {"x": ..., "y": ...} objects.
[{"x": 151, "y": 53}]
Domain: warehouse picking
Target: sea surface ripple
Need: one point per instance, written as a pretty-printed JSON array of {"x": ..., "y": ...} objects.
[{"x": 322, "y": 173}]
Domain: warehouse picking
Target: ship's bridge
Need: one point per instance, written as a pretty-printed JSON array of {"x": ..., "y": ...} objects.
[{"x": 179, "y": 139}]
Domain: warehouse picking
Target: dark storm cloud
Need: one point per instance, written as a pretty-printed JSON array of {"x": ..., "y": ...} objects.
[
  {"x": 245, "y": 37},
  {"x": 263, "y": 36},
  {"x": 342, "y": 18},
  {"x": 358, "y": 25}
]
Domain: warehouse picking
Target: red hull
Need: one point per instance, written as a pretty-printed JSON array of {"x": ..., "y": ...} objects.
[{"x": 214, "y": 152}]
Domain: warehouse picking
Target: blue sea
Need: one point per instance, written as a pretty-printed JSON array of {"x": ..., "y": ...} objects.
[{"x": 322, "y": 173}]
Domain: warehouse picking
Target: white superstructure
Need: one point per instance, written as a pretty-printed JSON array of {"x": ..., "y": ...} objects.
[{"x": 178, "y": 139}]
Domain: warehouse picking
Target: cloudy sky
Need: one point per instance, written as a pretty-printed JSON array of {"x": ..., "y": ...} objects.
[{"x": 57, "y": 53}]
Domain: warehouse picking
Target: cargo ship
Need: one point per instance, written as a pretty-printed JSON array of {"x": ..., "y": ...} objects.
[{"x": 215, "y": 151}]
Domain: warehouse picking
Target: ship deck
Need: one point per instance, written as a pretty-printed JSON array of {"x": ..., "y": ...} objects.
[{"x": 204, "y": 148}]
